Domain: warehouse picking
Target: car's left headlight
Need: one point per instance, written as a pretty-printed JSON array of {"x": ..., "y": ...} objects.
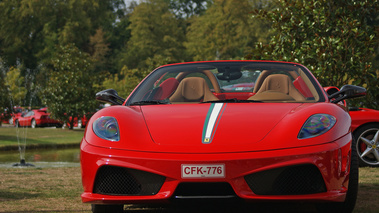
[
  {"x": 317, "y": 125},
  {"x": 106, "y": 127}
]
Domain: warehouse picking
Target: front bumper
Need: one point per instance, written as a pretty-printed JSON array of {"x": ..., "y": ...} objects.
[{"x": 252, "y": 176}]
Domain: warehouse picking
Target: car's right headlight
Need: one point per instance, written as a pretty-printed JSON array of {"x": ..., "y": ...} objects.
[
  {"x": 106, "y": 127},
  {"x": 316, "y": 125}
]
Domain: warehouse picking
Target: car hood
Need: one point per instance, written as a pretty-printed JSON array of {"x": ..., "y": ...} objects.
[{"x": 210, "y": 127}]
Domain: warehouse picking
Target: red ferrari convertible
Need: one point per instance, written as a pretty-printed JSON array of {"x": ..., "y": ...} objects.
[{"x": 181, "y": 136}]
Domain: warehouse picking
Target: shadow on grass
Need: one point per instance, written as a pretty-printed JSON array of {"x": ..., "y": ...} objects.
[
  {"x": 6, "y": 195},
  {"x": 224, "y": 207},
  {"x": 367, "y": 200}
]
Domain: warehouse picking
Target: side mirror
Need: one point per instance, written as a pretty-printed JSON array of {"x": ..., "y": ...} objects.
[
  {"x": 109, "y": 96},
  {"x": 347, "y": 92}
]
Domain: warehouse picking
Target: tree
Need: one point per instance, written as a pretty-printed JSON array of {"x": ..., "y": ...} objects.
[
  {"x": 225, "y": 31},
  {"x": 31, "y": 29},
  {"x": 187, "y": 8},
  {"x": 99, "y": 50},
  {"x": 125, "y": 81},
  {"x": 4, "y": 93},
  {"x": 15, "y": 84},
  {"x": 154, "y": 31},
  {"x": 335, "y": 39},
  {"x": 71, "y": 88}
]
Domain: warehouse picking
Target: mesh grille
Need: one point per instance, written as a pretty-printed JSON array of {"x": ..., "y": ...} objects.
[
  {"x": 112, "y": 180},
  {"x": 292, "y": 180}
]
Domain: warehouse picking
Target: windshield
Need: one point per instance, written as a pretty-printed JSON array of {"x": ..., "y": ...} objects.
[{"x": 242, "y": 81}]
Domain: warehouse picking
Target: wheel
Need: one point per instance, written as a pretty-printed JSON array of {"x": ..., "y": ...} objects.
[
  {"x": 11, "y": 121},
  {"x": 352, "y": 192},
  {"x": 16, "y": 123},
  {"x": 97, "y": 208},
  {"x": 33, "y": 124},
  {"x": 368, "y": 145}
]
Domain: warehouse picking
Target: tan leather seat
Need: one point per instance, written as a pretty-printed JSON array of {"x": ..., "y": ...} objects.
[
  {"x": 193, "y": 89},
  {"x": 278, "y": 87}
]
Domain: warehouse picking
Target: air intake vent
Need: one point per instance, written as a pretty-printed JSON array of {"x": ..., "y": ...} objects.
[
  {"x": 112, "y": 180},
  {"x": 292, "y": 180}
]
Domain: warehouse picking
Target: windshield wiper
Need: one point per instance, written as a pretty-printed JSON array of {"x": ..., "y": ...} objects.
[
  {"x": 232, "y": 100},
  {"x": 153, "y": 102}
]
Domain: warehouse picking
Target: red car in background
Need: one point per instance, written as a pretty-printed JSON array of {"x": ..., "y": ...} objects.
[
  {"x": 36, "y": 118},
  {"x": 8, "y": 116},
  {"x": 365, "y": 128},
  {"x": 4, "y": 117}
]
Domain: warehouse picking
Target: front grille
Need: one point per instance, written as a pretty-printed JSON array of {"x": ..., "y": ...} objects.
[
  {"x": 113, "y": 180},
  {"x": 291, "y": 180},
  {"x": 211, "y": 190}
]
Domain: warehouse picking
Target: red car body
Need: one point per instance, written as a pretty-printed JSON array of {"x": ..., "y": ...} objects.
[
  {"x": 8, "y": 116},
  {"x": 362, "y": 116},
  {"x": 36, "y": 118},
  {"x": 248, "y": 145},
  {"x": 4, "y": 117}
]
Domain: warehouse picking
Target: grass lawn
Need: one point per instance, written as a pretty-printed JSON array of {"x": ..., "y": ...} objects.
[
  {"x": 11, "y": 136},
  {"x": 58, "y": 190}
]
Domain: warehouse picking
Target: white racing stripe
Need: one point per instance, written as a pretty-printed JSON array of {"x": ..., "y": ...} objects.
[{"x": 212, "y": 121}]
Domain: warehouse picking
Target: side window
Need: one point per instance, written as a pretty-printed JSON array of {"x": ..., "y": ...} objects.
[{"x": 30, "y": 113}]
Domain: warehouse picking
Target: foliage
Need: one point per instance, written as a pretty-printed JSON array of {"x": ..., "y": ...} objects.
[
  {"x": 30, "y": 29},
  {"x": 70, "y": 90},
  {"x": 225, "y": 31},
  {"x": 99, "y": 49},
  {"x": 154, "y": 31},
  {"x": 16, "y": 86},
  {"x": 187, "y": 8},
  {"x": 335, "y": 39},
  {"x": 118, "y": 37},
  {"x": 4, "y": 93},
  {"x": 125, "y": 82}
]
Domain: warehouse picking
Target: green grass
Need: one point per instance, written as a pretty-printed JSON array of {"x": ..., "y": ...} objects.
[
  {"x": 11, "y": 136},
  {"x": 58, "y": 190}
]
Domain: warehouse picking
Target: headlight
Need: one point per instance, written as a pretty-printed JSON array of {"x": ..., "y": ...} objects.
[
  {"x": 106, "y": 128},
  {"x": 316, "y": 125}
]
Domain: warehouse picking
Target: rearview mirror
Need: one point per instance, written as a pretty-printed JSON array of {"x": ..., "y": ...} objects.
[
  {"x": 229, "y": 75},
  {"x": 109, "y": 96},
  {"x": 347, "y": 92}
]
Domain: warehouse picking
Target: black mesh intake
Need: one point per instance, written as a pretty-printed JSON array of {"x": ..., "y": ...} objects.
[
  {"x": 292, "y": 180},
  {"x": 112, "y": 180}
]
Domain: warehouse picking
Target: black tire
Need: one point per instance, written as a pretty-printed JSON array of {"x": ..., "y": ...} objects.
[
  {"x": 98, "y": 208},
  {"x": 351, "y": 195},
  {"x": 16, "y": 123},
  {"x": 367, "y": 145}
]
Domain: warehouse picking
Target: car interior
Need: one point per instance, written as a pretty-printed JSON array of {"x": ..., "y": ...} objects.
[{"x": 205, "y": 85}]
